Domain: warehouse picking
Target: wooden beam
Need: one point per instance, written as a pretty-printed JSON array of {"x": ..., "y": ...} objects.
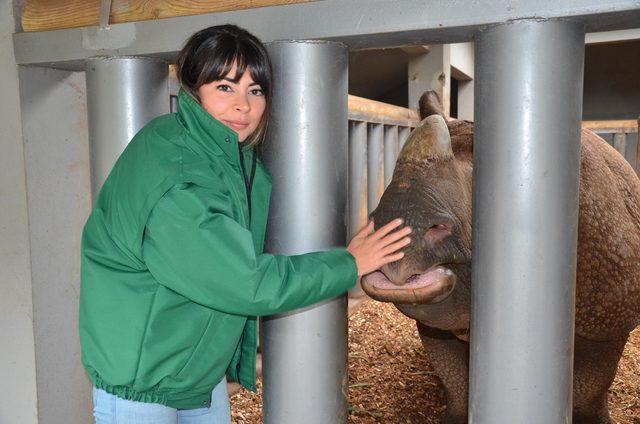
[
  {"x": 628, "y": 126},
  {"x": 378, "y": 112},
  {"x": 44, "y": 15}
]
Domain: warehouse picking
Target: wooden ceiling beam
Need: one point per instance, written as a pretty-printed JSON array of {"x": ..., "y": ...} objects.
[{"x": 45, "y": 15}]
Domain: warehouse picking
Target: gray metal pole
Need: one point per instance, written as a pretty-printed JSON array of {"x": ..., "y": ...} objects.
[
  {"x": 525, "y": 215},
  {"x": 403, "y": 135},
  {"x": 357, "y": 176},
  {"x": 305, "y": 351},
  {"x": 123, "y": 94},
  {"x": 390, "y": 152},
  {"x": 358, "y": 210},
  {"x": 375, "y": 164},
  {"x": 620, "y": 142}
]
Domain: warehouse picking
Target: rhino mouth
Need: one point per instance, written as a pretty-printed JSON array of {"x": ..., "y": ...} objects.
[{"x": 432, "y": 286}]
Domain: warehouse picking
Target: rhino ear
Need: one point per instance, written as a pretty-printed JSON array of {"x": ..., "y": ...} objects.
[{"x": 429, "y": 141}]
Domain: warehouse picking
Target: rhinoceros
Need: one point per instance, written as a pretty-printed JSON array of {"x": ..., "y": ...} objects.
[{"x": 431, "y": 189}]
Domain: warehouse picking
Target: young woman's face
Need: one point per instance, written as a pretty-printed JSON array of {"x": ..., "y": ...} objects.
[{"x": 237, "y": 105}]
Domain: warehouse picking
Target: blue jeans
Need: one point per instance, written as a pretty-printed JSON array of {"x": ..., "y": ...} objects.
[{"x": 110, "y": 409}]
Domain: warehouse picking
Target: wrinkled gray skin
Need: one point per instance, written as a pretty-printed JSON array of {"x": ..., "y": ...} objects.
[{"x": 431, "y": 190}]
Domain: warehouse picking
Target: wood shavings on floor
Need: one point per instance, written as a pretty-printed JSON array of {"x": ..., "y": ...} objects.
[{"x": 391, "y": 380}]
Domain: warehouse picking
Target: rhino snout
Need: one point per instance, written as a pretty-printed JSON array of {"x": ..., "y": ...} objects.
[{"x": 399, "y": 272}]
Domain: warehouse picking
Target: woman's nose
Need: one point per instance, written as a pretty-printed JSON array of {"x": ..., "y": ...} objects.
[{"x": 242, "y": 104}]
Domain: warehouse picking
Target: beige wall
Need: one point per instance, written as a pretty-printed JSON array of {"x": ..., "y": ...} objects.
[
  {"x": 56, "y": 151},
  {"x": 18, "y": 399}
]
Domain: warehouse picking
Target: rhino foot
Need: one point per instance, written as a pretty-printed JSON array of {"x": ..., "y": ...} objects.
[
  {"x": 595, "y": 364},
  {"x": 450, "y": 359}
]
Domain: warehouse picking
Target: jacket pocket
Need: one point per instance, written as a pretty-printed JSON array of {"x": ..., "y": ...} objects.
[
  {"x": 201, "y": 340},
  {"x": 213, "y": 352}
]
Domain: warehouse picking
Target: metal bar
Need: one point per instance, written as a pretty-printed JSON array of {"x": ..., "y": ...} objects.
[
  {"x": 375, "y": 164},
  {"x": 123, "y": 94},
  {"x": 173, "y": 104},
  {"x": 305, "y": 351},
  {"x": 525, "y": 219},
  {"x": 620, "y": 142},
  {"x": 358, "y": 23},
  {"x": 638, "y": 150},
  {"x": 357, "y": 176},
  {"x": 358, "y": 213},
  {"x": 403, "y": 134},
  {"x": 631, "y": 147},
  {"x": 390, "y": 152}
]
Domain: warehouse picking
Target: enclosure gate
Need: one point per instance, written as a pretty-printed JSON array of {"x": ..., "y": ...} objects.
[{"x": 529, "y": 58}]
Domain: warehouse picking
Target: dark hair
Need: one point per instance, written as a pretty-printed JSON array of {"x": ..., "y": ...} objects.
[{"x": 209, "y": 55}]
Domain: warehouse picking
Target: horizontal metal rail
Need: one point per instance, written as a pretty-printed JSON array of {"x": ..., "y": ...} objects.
[{"x": 360, "y": 24}]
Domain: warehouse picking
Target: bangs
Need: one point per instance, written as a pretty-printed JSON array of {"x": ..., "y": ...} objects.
[{"x": 246, "y": 57}]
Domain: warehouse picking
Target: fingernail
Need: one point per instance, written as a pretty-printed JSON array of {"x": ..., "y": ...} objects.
[{"x": 399, "y": 220}]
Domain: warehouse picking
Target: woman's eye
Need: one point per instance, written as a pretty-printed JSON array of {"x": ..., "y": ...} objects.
[
  {"x": 223, "y": 87},
  {"x": 257, "y": 92}
]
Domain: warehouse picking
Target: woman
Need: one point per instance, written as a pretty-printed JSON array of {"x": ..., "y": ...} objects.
[{"x": 173, "y": 274}]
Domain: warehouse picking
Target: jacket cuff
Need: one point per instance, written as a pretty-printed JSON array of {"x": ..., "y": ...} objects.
[{"x": 344, "y": 264}]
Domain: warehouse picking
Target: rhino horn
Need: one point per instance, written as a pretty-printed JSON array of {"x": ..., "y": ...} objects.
[
  {"x": 430, "y": 104},
  {"x": 429, "y": 141}
]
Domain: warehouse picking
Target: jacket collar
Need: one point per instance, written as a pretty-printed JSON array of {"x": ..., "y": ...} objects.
[{"x": 209, "y": 136}]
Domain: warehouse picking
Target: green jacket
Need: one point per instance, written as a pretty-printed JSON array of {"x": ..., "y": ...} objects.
[{"x": 173, "y": 270}]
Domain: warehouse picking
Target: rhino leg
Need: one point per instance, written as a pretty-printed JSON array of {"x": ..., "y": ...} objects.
[
  {"x": 594, "y": 368},
  {"x": 450, "y": 359}
]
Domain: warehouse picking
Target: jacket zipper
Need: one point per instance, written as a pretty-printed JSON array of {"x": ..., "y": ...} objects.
[{"x": 248, "y": 182}]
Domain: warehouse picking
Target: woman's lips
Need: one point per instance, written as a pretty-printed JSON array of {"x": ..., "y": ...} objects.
[{"x": 236, "y": 125}]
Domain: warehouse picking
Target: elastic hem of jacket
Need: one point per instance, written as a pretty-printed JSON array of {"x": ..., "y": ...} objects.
[{"x": 184, "y": 400}]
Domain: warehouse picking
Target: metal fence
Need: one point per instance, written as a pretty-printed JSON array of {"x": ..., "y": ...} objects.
[
  {"x": 622, "y": 135},
  {"x": 377, "y": 132}
]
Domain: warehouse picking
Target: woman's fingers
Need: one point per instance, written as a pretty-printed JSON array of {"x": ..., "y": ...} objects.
[
  {"x": 392, "y": 248},
  {"x": 373, "y": 250},
  {"x": 395, "y": 236},
  {"x": 391, "y": 258},
  {"x": 365, "y": 231},
  {"x": 382, "y": 232}
]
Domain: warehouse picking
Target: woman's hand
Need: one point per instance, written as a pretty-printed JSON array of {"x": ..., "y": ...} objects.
[{"x": 372, "y": 249}]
